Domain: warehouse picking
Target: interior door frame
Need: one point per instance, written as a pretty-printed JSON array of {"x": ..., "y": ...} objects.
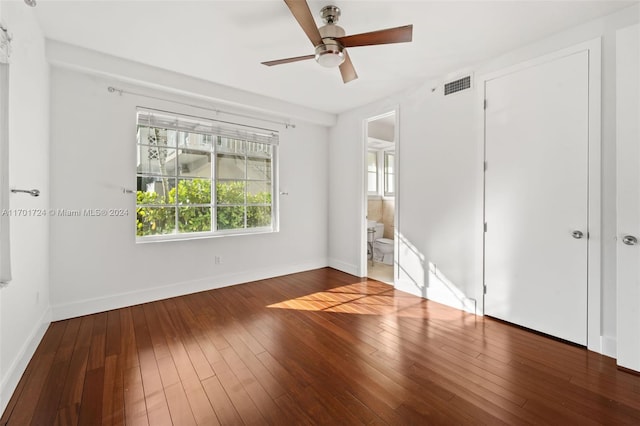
[
  {"x": 363, "y": 267},
  {"x": 594, "y": 212}
]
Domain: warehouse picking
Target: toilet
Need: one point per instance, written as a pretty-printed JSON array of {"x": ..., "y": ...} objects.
[{"x": 382, "y": 247}]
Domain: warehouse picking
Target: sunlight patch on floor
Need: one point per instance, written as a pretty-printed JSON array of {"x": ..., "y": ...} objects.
[{"x": 366, "y": 298}]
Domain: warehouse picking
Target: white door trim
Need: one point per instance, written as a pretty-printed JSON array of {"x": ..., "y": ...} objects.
[{"x": 594, "y": 245}]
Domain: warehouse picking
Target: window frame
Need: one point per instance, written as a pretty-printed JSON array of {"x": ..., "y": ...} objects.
[
  {"x": 376, "y": 172},
  {"x": 386, "y": 174},
  {"x": 254, "y": 137},
  {"x": 381, "y": 174}
]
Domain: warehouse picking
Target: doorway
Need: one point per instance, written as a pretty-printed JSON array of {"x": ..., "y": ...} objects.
[
  {"x": 381, "y": 196},
  {"x": 542, "y": 195}
]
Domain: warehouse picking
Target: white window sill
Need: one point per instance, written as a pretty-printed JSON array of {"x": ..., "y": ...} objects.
[{"x": 201, "y": 235}]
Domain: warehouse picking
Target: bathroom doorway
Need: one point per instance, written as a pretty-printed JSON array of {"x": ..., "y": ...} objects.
[{"x": 381, "y": 196}]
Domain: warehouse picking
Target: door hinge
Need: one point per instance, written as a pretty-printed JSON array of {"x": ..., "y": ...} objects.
[
  {"x": 484, "y": 104},
  {"x": 484, "y": 289},
  {"x": 485, "y": 166},
  {"x": 485, "y": 227}
]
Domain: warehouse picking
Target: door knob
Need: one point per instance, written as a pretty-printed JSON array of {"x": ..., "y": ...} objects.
[
  {"x": 630, "y": 240},
  {"x": 577, "y": 234}
]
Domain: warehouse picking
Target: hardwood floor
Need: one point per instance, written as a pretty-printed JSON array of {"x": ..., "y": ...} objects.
[{"x": 319, "y": 347}]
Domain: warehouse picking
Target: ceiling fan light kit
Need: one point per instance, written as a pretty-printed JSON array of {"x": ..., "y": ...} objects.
[
  {"x": 330, "y": 40},
  {"x": 330, "y": 53}
]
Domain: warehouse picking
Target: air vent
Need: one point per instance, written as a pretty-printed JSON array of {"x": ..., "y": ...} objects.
[{"x": 457, "y": 85}]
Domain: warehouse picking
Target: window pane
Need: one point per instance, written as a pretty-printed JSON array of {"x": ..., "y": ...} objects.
[
  {"x": 390, "y": 184},
  {"x": 258, "y": 216},
  {"x": 195, "y": 141},
  {"x": 155, "y": 190},
  {"x": 194, "y": 219},
  {"x": 230, "y": 217},
  {"x": 155, "y": 136},
  {"x": 255, "y": 149},
  {"x": 372, "y": 183},
  {"x": 258, "y": 192},
  {"x": 194, "y": 191},
  {"x": 156, "y": 160},
  {"x": 230, "y": 166},
  {"x": 372, "y": 162},
  {"x": 388, "y": 163},
  {"x": 155, "y": 220},
  {"x": 230, "y": 192},
  {"x": 194, "y": 163},
  {"x": 259, "y": 168},
  {"x": 231, "y": 146}
]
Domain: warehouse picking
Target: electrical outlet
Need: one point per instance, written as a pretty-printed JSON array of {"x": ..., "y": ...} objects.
[{"x": 218, "y": 260}]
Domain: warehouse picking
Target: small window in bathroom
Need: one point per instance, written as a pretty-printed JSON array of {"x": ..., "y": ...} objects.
[
  {"x": 389, "y": 174},
  {"x": 372, "y": 173}
]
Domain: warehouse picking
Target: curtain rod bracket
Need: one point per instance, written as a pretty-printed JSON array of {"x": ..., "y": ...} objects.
[{"x": 112, "y": 89}]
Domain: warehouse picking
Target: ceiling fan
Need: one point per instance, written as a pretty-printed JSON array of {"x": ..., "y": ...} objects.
[{"x": 330, "y": 41}]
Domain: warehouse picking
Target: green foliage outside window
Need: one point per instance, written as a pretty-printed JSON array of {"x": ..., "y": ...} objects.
[{"x": 161, "y": 220}]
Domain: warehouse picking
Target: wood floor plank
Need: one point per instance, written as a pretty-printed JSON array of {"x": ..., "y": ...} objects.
[
  {"x": 183, "y": 324},
  {"x": 155, "y": 400},
  {"x": 47, "y": 408},
  {"x": 71, "y": 398},
  {"x": 318, "y": 347},
  {"x": 201, "y": 407},
  {"x": 243, "y": 403},
  {"x": 113, "y": 392},
  {"x": 222, "y": 405},
  {"x": 135, "y": 407},
  {"x": 179, "y": 405},
  {"x": 92, "y": 397}
]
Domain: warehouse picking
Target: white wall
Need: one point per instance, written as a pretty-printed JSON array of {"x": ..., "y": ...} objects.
[
  {"x": 24, "y": 303},
  {"x": 96, "y": 263},
  {"x": 440, "y": 190}
]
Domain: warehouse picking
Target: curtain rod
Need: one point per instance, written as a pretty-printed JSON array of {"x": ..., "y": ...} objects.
[{"x": 112, "y": 89}]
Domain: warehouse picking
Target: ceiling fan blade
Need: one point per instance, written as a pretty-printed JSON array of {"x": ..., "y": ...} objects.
[
  {"x": 287, "y": 60},
  {"x": 388, "y": 36},
  {"x": 347, "y": 70},
  {"x": 302, "y": 13}
]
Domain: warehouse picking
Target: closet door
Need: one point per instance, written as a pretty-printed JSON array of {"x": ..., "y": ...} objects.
[
  {"x": 536, "y": 196},
  {"x": 628, "y": 146}
]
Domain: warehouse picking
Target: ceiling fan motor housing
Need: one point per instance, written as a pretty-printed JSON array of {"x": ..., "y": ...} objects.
[
  {"x": 330, "y": 53},
  {"x": 330, "y": 14}
]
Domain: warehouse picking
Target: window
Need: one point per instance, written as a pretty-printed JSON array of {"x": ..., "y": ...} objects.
[
  {"x": 199, "y": 177},
  {"x": 389, "y": 175},
  {"x": 372, "y": 172},
  {"x": 381, "y": 173}
]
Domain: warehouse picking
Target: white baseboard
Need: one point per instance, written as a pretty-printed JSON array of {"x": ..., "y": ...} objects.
[
  {"x": 19, "y": 364},
  {"x": 440, "y": 294},
  {"x": 410, "y": 287},
  {"x": 344, "y": 267},
  {"x": 121, "y": 300}
]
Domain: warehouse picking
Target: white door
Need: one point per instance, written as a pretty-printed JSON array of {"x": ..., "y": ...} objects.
[
  {"x": 628, "y": 146},
  {"x": 536, "y": 197}
]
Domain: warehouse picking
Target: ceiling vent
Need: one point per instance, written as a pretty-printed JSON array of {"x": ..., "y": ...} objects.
[{"x": 457, "y": 85}]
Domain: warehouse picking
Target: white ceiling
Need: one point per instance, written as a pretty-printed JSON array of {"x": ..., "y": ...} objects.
[{"x": 225, "y": 41}]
